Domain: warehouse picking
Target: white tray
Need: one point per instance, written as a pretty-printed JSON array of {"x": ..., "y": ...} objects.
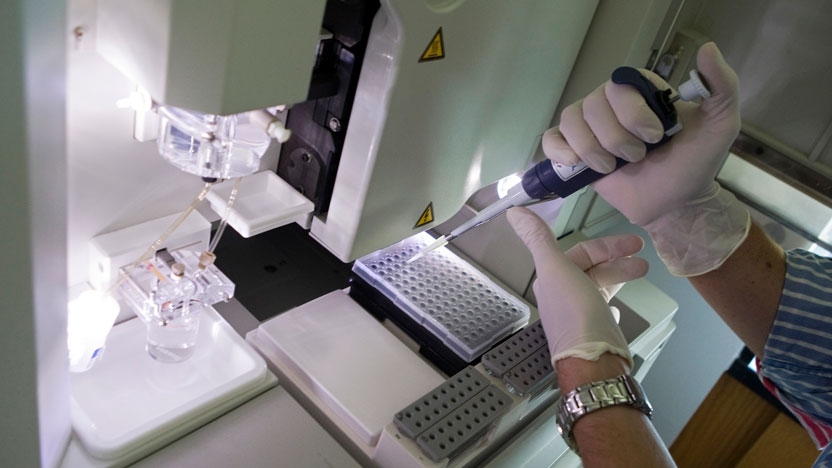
[
  {"x": 128, "y": 401},
  {"x": 264, "y": 201}
]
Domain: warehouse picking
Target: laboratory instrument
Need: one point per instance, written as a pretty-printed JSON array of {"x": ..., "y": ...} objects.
[
  {"x": 364, "y": 105},
  {"x": 548, "y": 179},
  {"x": 399, "y": 111}
]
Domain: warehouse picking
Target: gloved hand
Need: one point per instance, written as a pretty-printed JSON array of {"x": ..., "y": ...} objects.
[
  {"x": 573, "y": 288},
  {"x": 671, "y": 192}
]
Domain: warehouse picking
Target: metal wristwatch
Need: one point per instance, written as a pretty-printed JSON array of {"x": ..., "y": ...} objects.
[{"x": 621, "y": 390}]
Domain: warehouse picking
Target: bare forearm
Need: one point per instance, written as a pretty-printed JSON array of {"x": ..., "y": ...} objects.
[
  {"x": 620, "y": 437},
  {"x": 617, "y": 436},
  {"x": 745, "y": 290}
]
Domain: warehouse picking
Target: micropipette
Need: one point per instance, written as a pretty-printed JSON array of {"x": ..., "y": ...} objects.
[{"x": 548, "y": 180}]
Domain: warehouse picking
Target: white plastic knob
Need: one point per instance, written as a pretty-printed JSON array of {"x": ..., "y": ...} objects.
[
  {"x": 278, "y": 131},
  {"x": 693, "y": 88}
]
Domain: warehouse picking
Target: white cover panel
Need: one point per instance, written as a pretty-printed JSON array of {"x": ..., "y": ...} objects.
[
  {"x": 433, "y": 132},
  {"x": 214, "y": 56},
  {"x": 348, "y": 359}
]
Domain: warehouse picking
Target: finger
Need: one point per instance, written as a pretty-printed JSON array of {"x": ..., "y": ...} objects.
[
  {"x": 579, "y": 135},
  {"x": 618, "y": 271},
  {"x": 633, "y": 113},
  {"x": 550, "y": 263},
  {"x": 592, "y": 252},
  {"x": 557, "y": 149},
  {"x": 720, "y": 79},
  {"x": 536, "y": 235},
  {"x": 575, "y": 317},
  {"x": 611, "y": 135}
]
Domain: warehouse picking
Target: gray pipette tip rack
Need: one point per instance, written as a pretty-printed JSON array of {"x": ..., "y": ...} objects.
[
  {"x": 531, "y": 375},
  {"x": 457, "y": 303},
  {"x": 465, "y": 425},
  {"x": 440, "y": 402},
  {"x": 514, "y": 350},
  {"x": 453, "y": 415},
  {"x": 522, "y": 361}
]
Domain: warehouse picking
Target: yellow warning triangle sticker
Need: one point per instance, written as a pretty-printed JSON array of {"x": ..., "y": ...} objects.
[
  {"x": 435, "y": 50},
  {"x": 427, "y": 216}
]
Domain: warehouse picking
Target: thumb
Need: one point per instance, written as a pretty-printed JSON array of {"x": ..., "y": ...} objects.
[{"x": 720, "y": 79}]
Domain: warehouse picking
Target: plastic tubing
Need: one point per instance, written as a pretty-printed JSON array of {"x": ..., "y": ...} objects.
[
  {"x": 155, "y": 246},
  {"x": 224, "y": 221}
]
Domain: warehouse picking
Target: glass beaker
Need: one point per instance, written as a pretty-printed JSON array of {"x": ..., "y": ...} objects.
[
  {"x": 172, "y": 331},
  {"x": 173, "y": 325}
]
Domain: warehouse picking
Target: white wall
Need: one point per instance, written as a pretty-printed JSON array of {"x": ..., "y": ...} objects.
[
  {"x": 782, "y": 52},
  {"x": 34, "y": 397},
  {"x": 18, "y": 431}
]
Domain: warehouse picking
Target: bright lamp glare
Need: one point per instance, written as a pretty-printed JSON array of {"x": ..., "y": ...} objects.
[
  {"x": 138, "y": 100},
  {"x": 506, "y": 183},
  {"x": 90, "y": 318}
]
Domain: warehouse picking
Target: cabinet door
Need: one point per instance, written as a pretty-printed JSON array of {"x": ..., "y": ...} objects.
[{"x": 734, "y": 427}]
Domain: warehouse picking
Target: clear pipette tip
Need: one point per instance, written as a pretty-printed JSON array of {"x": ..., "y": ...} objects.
[{"x": 439, "y": 242}]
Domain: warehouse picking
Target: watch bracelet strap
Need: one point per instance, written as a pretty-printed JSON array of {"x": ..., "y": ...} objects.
[{"x": 623, "y": 390}]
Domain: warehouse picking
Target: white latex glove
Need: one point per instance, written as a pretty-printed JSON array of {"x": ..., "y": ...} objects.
[
  {"x": 615, "y": 120},
  {"x": 573, "y": 288},
  {"x": 676, "y": 179}
]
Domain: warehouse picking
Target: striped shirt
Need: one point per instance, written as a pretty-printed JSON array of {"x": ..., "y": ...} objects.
[{"x": 797, "y": 360}]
